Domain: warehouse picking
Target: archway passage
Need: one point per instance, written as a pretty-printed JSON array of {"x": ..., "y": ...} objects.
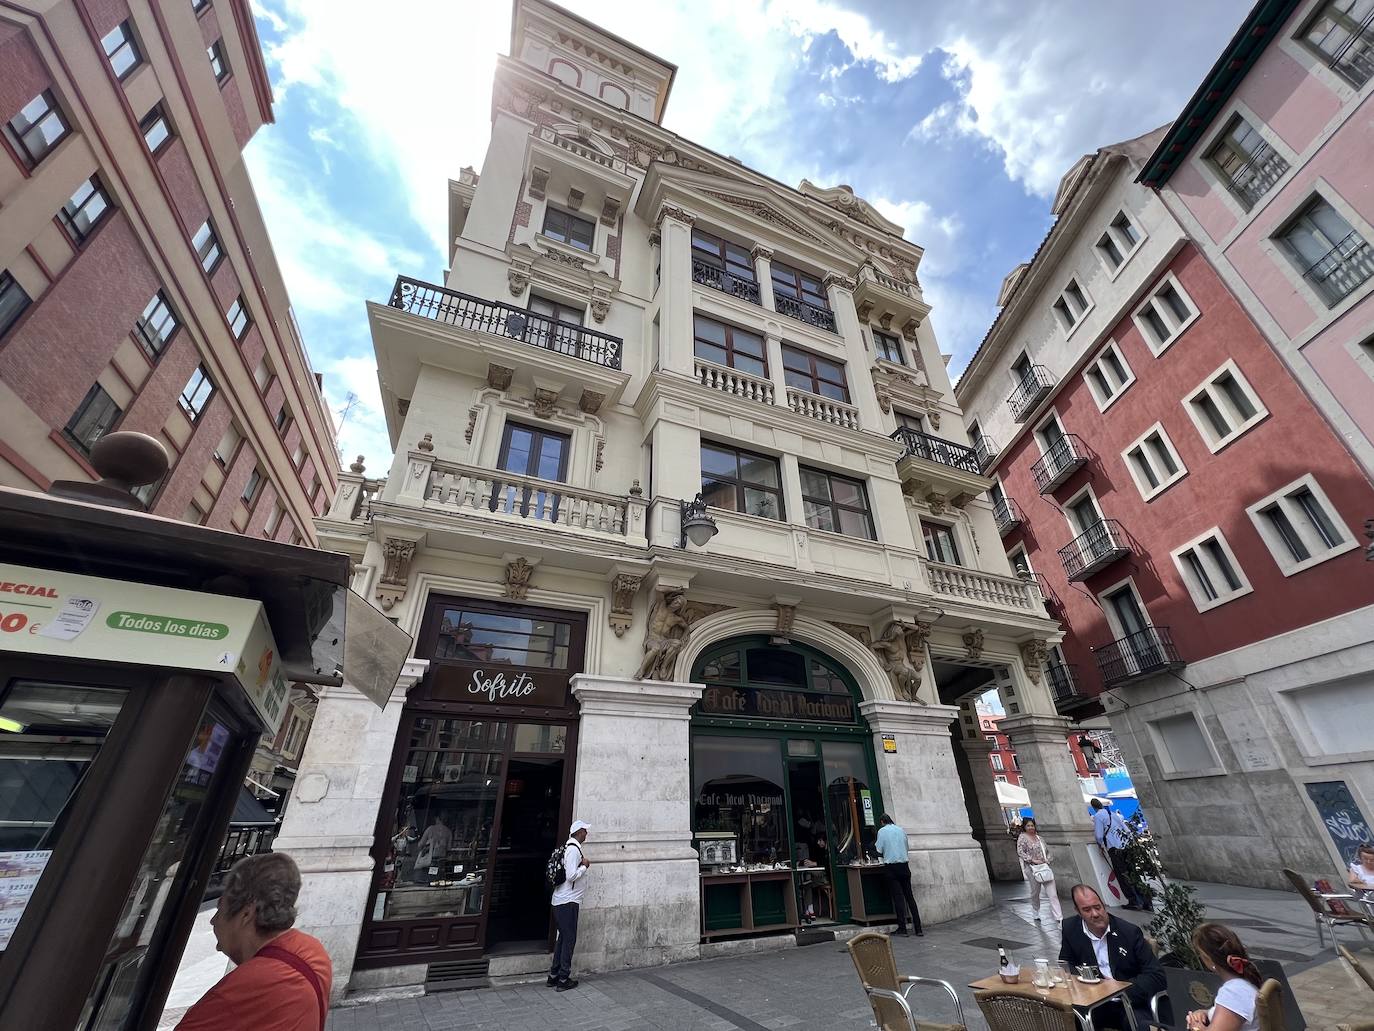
[{"x": 784, "y": 788}]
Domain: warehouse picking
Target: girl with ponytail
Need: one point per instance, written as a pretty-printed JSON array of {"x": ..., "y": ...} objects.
[{"x": 1223, "y": 954}]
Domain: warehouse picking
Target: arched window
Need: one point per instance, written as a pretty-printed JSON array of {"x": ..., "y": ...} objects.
[
  {"x": 615, "y": 96},
  {"x": 565, "y": 71},
  {"x": 751, "y": 678}
]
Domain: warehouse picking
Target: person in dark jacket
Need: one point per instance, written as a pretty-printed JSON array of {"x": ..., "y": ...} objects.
[{"x": 1118, "y": 949}]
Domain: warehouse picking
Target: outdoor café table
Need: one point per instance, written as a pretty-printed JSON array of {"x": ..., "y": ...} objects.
[{"x": 1084, "y": 997}]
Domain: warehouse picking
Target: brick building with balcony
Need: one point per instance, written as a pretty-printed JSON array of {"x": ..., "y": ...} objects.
[
  {"x": 1191, "y": 519},
  {"x": 694, "y": 546}
]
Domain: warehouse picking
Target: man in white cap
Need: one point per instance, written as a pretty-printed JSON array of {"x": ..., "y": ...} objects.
[{"x": 567, "y": 898}]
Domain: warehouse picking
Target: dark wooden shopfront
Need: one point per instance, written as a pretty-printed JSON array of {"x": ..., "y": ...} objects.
[{"x": 480, "y": 786}]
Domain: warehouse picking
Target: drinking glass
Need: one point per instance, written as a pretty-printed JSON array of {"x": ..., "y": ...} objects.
[
  {"x": 1042, "y": 979},
  {"x": 1063, "y": 973}
]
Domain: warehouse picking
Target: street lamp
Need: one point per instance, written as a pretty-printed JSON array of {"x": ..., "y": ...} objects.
[{"x": 697, "y": 526}]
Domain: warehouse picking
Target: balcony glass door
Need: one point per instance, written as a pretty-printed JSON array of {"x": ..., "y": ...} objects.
[
  {"x": 1140, "y": 649},
  {"x": 554, "y": 330},
  {"x": 537, "y": 453}
]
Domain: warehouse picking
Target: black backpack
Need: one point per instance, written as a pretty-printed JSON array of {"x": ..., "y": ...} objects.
[{"x": 555, "y": 870}]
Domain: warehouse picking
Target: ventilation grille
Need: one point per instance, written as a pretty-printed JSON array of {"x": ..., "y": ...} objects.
[{"x": 457, "y": 976}]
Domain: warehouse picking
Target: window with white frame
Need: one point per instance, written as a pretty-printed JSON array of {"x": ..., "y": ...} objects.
[
  {"x": 1223, "y": 406},
  {"x": 1020, "y": 563},
  {"x": 1118, "y": 242},
  {"x": 1154, "y": 462},
  {"x": 997, "y": 763},
  {"x": 1000, "y": 778},
  {"x": 1246, "y": 164},
  {"x": 1210, "y": 571},
  {"x": 1071, "y": 306},
  {"x": 1108, "y": 376},
  {"x": 1184, "y": 744},
  {"x": 992, "y": 739},
  {"x": 1300, "y": 526},
  {"x": 1165, "y": 315},
  {"x": 1330, "y": 253},
  {"x": 888, "y": 347},
  {"x": 1338, "y": 714},
  {"x": 1339, "y": 34}
]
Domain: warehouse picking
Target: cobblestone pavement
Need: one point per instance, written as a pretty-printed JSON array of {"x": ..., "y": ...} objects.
[{"x": 815, "y": 988}]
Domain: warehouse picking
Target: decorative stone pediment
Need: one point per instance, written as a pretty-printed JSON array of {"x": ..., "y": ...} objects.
[{"x": 765, "y": 212}]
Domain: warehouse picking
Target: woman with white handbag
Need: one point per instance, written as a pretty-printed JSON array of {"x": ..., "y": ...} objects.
[{"x": 1035, "y": 862}]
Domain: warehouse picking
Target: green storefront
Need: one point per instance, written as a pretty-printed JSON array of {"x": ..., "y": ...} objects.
[{"x": 785, "y": 792}]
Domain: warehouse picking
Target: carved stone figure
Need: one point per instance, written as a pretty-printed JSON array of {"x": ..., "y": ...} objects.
[
  {"x": 472, "y": 423},
  {"x": 665, "y": 635},
  {"x": 426, "y": 443},
  {"x": 624, "y": 587},
  {"x": 787, "y": 615},
  {"x": 591, "y": 401},
  {"x": 517, "y": 278},
  {"x": 396, "y": 557},
  {"x": 545, "y": 402},
  {"x": 518, "y": 578},
  {"x": 973, "y": 643},
  {"x": 894, "y": 656},
  {"x": 357, "y": 467},
  {"x": 1033, "y": 654}
]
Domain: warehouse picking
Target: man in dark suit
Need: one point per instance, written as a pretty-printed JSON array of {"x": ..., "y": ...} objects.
[{"x": 1115, "y": 947}]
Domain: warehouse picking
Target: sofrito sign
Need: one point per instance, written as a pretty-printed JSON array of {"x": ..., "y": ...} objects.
[{"x": 44, "y": 612}]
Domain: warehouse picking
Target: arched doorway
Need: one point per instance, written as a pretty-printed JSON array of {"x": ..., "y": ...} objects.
[{"x": 785, "y": 797}]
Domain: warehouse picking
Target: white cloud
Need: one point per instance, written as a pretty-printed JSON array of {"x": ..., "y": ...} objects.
[{"x": 362, "y": 430}]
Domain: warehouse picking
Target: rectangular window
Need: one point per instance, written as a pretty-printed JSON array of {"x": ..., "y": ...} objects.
[
  {"x": 1300, "y": 526},
  {"x": 1165, "y": 315},
  {"x": 798, "y": 286},
  {"x": 1125, "y": 231},
  {"x": 1184, "y": 744},
  {"x": 808, "y": 371},
  {"x": 121, "y": 49},
  {"x": 156, "y": 129},
  {"x": 997, "y": 764},
  {"x": 530, "y": 451},
  {"x": 1340, "y": 35},
  {"x": 200, "y": 5},
  {"x": 836, "y": 503},
  {"x": 1110, "y": 252},
  {"x": 298, "y": 456},
  {"x": 283, "y": 419},
  {"x": 888, "y": 347},
  {"x": 568, "y": 228},
  {"x": 1328, "y": 251},
  {"x": 228, "y": 446},
  {"x": 1245, "y": 162},
  {"x": 1153, "y": 462},
  {"x": 729, "y": 345},
  {"x": 82, "y": 213},
  {"x": 96, "y": 416},
  {"x": 1071, "y": 306},
  {"x": 194, "y": 514},
  {"x": 252, "y": 488},
  {"x": 1224, "y": 406},
  {"x": 940, "y": 543},
  {"x": 1108, "y": 376},
  {"x": 741, "y": 481},
  {"x": 37, "y": 128},
  {"x": 237, "y": 317},
  {"x": 274, "y": 517},
  {"x": 263, "y": 376},
  {"x": 156, "y": 326},
  {"x": 1210, "y": 571},
  {"x": 14, "y": 301},
  {"x": 909, "y": 422},
  {"x": 219, "y": 66},
  {"x": 207, "y": 247},
  {"x": 723, "y": 256},
  {"x": 197, "y": 393}
]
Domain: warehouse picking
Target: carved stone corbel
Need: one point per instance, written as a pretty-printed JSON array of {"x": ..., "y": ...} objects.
[
  {"x": 835, "y": 279},
  {"x": 624, "y": 587},
  {"x": 787, "y": 615},
  {"x": 591, "y": 401},
  {"x": 517, "y": 278},
  {"x": 499, "y": 376},
  {"x": 539, "y": 182},
  {"x": 600, "y": 303},
  {"x": 886, "y": 321},
  {"x": 610, "y": 211},
  {"x": 909, "y": 329},
  {"x": 936, "y": 501},
  {"x": 759, "y": 251},
  {"x": 934, "y": 418},
  {"x": 864, "y": 310},
  {"x": 518, "y": 578},
  {"x": 545, "y": 402},
  {"x": 655, "y": 237},
  {"x": 1033, "y": 654},
  {"x": 973, "y": 642},
  {"x": 676, "y": 213},
  {"x": 397, "y": 555},
  {"x": 883, "y": 394},
  {"x": 575, "y": 198}
]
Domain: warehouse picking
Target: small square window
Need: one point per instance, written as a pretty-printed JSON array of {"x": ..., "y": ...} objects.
[
  {"x": 1224, "y": 406},
  {"x": 237, "y": 317},
  {"x": 1210, "y": 571},
  {"x": 83, "y": 212},
  {"x": 1153, "y": 462},
  {"x": 889, "y": 347},
  {"x": 1071, "y": 306},
  {"x": 1245, "y": 162},
  {"x": 156, "y": 129},
  {"x": 156, "y": 326},
  {"x": 207, "y": 247},
  {"x": 197, "y": 393},
  {"x": 1165, "y": 315},
  {"x": 37, "y": 128},
  {"x": 1108, "y": 376},
  {"x": 263, "y": 376},
  {"x": 1300, "y": 526},
  {"x": 219, "y": 66},
  {"x": 568, "y": 228},
  {"x": 200, "y": 5},
  {"x": 194, "y": 514},
  {"x": 122, "y": 49},
  {"x": 14, "y": 301},
  {"x": 96, "y": 416}
]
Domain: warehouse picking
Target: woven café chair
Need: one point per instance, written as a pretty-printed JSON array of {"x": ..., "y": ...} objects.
[
  {"x": 1013, "y": 1010},
  {"x": 873, "y": 959},
  {"x": 1363, "y": 972},
  {"x": 1269, "y": 1006},
  {"x": 1324, "y": 914}
]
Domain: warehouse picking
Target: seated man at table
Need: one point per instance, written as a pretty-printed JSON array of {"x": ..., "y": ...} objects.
[{"x": 1118, "y": 949}]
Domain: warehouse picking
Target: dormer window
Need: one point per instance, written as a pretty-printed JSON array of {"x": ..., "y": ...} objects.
[{"x": 568, "y": 228}]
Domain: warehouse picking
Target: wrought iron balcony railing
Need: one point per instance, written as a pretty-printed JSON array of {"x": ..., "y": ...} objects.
[
  {"x": 1065, "y": 457},
  {"x": 1096, "y": 548},
  {"x": 455, "y": 309},
  {"x": 1029, "y": 392},
  {"x": 804, "y": 311},
  {"x": 1355, "y": 57},
  {"x": 937, "y": 449},
  {"x": 1140, "y": 654},
  {"x": 717, "y": 278},
  {"x": 1063, "y": 680},
  {"x": 1007, "y": 514},
  {"x": 986, "y": 449},
  {"x": 1342, "y": 269},
  {"x": 1256, "y": 177}
]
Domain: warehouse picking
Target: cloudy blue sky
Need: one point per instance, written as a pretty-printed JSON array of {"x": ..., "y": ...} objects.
[{"x": 956, "y": 117}]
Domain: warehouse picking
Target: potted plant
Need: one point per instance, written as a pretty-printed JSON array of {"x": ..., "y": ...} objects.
[{"x": 1176, "y": 907}]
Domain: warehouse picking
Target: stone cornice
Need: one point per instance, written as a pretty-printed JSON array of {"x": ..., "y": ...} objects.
[
  {"x": 909, "y": 717},
  {"x": 622, "y": 696}
]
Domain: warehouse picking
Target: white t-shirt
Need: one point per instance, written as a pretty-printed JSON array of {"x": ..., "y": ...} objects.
[
  {"x": 1238, "y": 995},
  {"x": 1358, "y": 871},
  {"x": 572, "y": 889}
]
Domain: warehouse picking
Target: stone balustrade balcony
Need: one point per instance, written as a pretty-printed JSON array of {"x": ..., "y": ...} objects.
[
  {"x": 822, "y": 409},
  {"x": 964, "y": 584},
  {"x": 733, "y": 382}
]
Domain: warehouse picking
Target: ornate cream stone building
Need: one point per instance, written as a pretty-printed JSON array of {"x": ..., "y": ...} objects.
[{"x": 731, "y": 689}]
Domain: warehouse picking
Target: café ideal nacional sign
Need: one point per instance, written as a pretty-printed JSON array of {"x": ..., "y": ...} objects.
[{"x": 65, "y": 615}]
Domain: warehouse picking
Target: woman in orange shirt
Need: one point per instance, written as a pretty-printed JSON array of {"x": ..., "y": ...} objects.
[{"x": 282, "y": 977}]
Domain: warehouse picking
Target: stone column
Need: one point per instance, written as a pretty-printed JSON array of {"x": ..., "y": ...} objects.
[
  {"x": 763, "y": 272},
  {"x": 841, "y": 292},
  {"x": 1049, "y": 776},
  {"x": 329, "y": 822},
  {"x": 1000, "y": 846},
  {"x": 675, "y": 290},
  {"x": 772, "y": 347},
  {"x": 642, "y": 905},
  {"x": 922, "y": 793}
]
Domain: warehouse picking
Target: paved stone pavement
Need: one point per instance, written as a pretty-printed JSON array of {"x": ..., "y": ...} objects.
[{"x": 815, "y": 988}]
